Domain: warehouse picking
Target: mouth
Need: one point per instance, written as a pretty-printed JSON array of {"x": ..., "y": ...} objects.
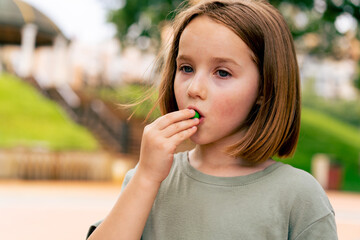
[{"x": 201, "y": 116}]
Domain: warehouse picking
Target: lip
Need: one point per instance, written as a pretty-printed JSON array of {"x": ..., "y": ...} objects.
[{"x": 196, "y": 109}]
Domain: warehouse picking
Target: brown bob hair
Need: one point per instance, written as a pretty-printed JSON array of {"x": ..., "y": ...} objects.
[{"x": 273, "y": 125}]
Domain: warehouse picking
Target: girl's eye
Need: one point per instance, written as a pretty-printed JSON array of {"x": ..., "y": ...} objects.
[
  {"x": 223, "y": 74},
  {"x": 186, "y": 69}
]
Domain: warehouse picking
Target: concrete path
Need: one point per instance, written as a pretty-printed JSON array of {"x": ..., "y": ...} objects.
[
  {"x": 65, "y": 210},
  {"x": 347, "y": 214}
]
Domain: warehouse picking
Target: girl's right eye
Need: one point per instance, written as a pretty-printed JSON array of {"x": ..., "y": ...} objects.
[{"x": 186, "y": 69}]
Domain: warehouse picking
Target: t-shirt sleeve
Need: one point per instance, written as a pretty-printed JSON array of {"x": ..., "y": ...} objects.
[
  {"x": 127, "y": 178},
  {"x": 312, "y": 216},
  {"x": 322, "y": 229}
]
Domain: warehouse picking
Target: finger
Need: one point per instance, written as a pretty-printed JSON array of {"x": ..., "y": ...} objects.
[
  {"x": 180, "y": 126},
  {"x": 183, "y": 135},
  {"x": 173, "y": 117}
]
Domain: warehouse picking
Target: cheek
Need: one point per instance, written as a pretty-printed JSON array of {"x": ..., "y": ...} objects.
[
  {"x": 224, "y": 106},
  {"x": 178, "y": 94},
  {"x": 235, "y": 106}
]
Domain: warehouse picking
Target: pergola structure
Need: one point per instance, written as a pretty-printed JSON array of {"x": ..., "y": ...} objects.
[
  {"x": 15, "y": 14},
  {"x": 23, "y": 25}
]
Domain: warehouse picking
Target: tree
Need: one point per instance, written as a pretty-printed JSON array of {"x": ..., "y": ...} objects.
[
  {"x": 324, "y": 27},
  {"x": 319, "y": 26},
  {"x": 138, "y": 20}
]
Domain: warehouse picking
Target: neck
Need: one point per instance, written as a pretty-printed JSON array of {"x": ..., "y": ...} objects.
[
  {"x": 213, "y": 160},
  {"x": 213, "y": 157},
  {"x": 214, "y": 153}
]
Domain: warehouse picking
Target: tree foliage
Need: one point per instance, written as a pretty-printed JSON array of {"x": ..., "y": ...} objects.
[
  {"x": 321, "y": 24},
  {"x": 138, "y": 20},
  {"x": 326, "y": 26}
]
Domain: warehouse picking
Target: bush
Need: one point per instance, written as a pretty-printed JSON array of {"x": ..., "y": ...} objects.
[{"x": 321, "y": 133}]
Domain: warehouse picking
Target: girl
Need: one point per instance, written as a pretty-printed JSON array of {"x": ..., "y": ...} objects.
[{"x": 234, "y": 63}]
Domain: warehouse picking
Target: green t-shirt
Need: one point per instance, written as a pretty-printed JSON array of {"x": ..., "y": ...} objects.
[{"x": 280, "y": 202}]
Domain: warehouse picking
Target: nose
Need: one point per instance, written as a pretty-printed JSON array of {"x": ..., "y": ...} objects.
[{"x": 198, "y": 86}]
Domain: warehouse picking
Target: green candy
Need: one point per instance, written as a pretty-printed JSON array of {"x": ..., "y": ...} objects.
[{"x": 197, "y": 115}]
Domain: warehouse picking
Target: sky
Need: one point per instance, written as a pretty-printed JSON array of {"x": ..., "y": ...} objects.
[{"x": 84, "y": 20}]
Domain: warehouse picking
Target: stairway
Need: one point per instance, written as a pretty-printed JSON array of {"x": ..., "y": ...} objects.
[{"x": 105, "y": 120}]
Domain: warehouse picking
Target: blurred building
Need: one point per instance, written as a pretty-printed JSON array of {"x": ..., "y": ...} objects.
[
  {"x": 32, "y": 45},
  {"x": 24, "y": 26},
  {"x": 16, "y": 15},
  {"x": 330, "y": 78}
]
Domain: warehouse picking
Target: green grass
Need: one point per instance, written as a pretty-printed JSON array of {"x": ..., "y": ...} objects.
[
  {"x": 28, "y": 119},
  {"x": 321, "y": 133},
  {"x": 344, "y": 110}
]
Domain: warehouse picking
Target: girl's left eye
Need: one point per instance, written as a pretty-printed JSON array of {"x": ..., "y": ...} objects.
[
  {"x": 223, "y": 73},
  {"x": 186, "y": 69}
]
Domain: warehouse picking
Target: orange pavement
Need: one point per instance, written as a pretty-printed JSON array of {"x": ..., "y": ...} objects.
[{"x": 64, "y": 210}]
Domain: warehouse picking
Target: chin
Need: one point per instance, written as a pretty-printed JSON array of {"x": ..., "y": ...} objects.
[
  {"x": 198, "y": 140},
  {"x": 195, "y": 139}
]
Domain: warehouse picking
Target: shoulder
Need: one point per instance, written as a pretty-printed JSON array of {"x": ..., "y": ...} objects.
[
  {"x": 299, "y": 180},
  {"x": 309, "y": 205},
  {"x": 303, "y": 188},
  {"x": 297, "y": 188}
]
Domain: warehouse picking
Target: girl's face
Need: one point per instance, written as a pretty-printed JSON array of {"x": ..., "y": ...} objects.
[{"x": 216, "y": 76}]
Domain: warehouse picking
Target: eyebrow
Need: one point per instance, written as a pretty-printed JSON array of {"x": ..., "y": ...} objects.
[
  {"x": 215, "y": 60},
  {"x": 225, "y": 60},
  {"x": 183, "y": 58}
]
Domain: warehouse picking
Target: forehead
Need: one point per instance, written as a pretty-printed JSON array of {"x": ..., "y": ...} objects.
[{"x": 204, "y": 35}]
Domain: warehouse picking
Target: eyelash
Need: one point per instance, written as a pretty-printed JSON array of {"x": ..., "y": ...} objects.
[
  {"x": 186, "y": 67},
  {"x": 182, "y": 69},
  {"x": 223, "y": 71}
]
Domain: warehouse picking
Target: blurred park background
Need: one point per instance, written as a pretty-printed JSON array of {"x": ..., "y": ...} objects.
[{"x": 66, "y": 65}]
